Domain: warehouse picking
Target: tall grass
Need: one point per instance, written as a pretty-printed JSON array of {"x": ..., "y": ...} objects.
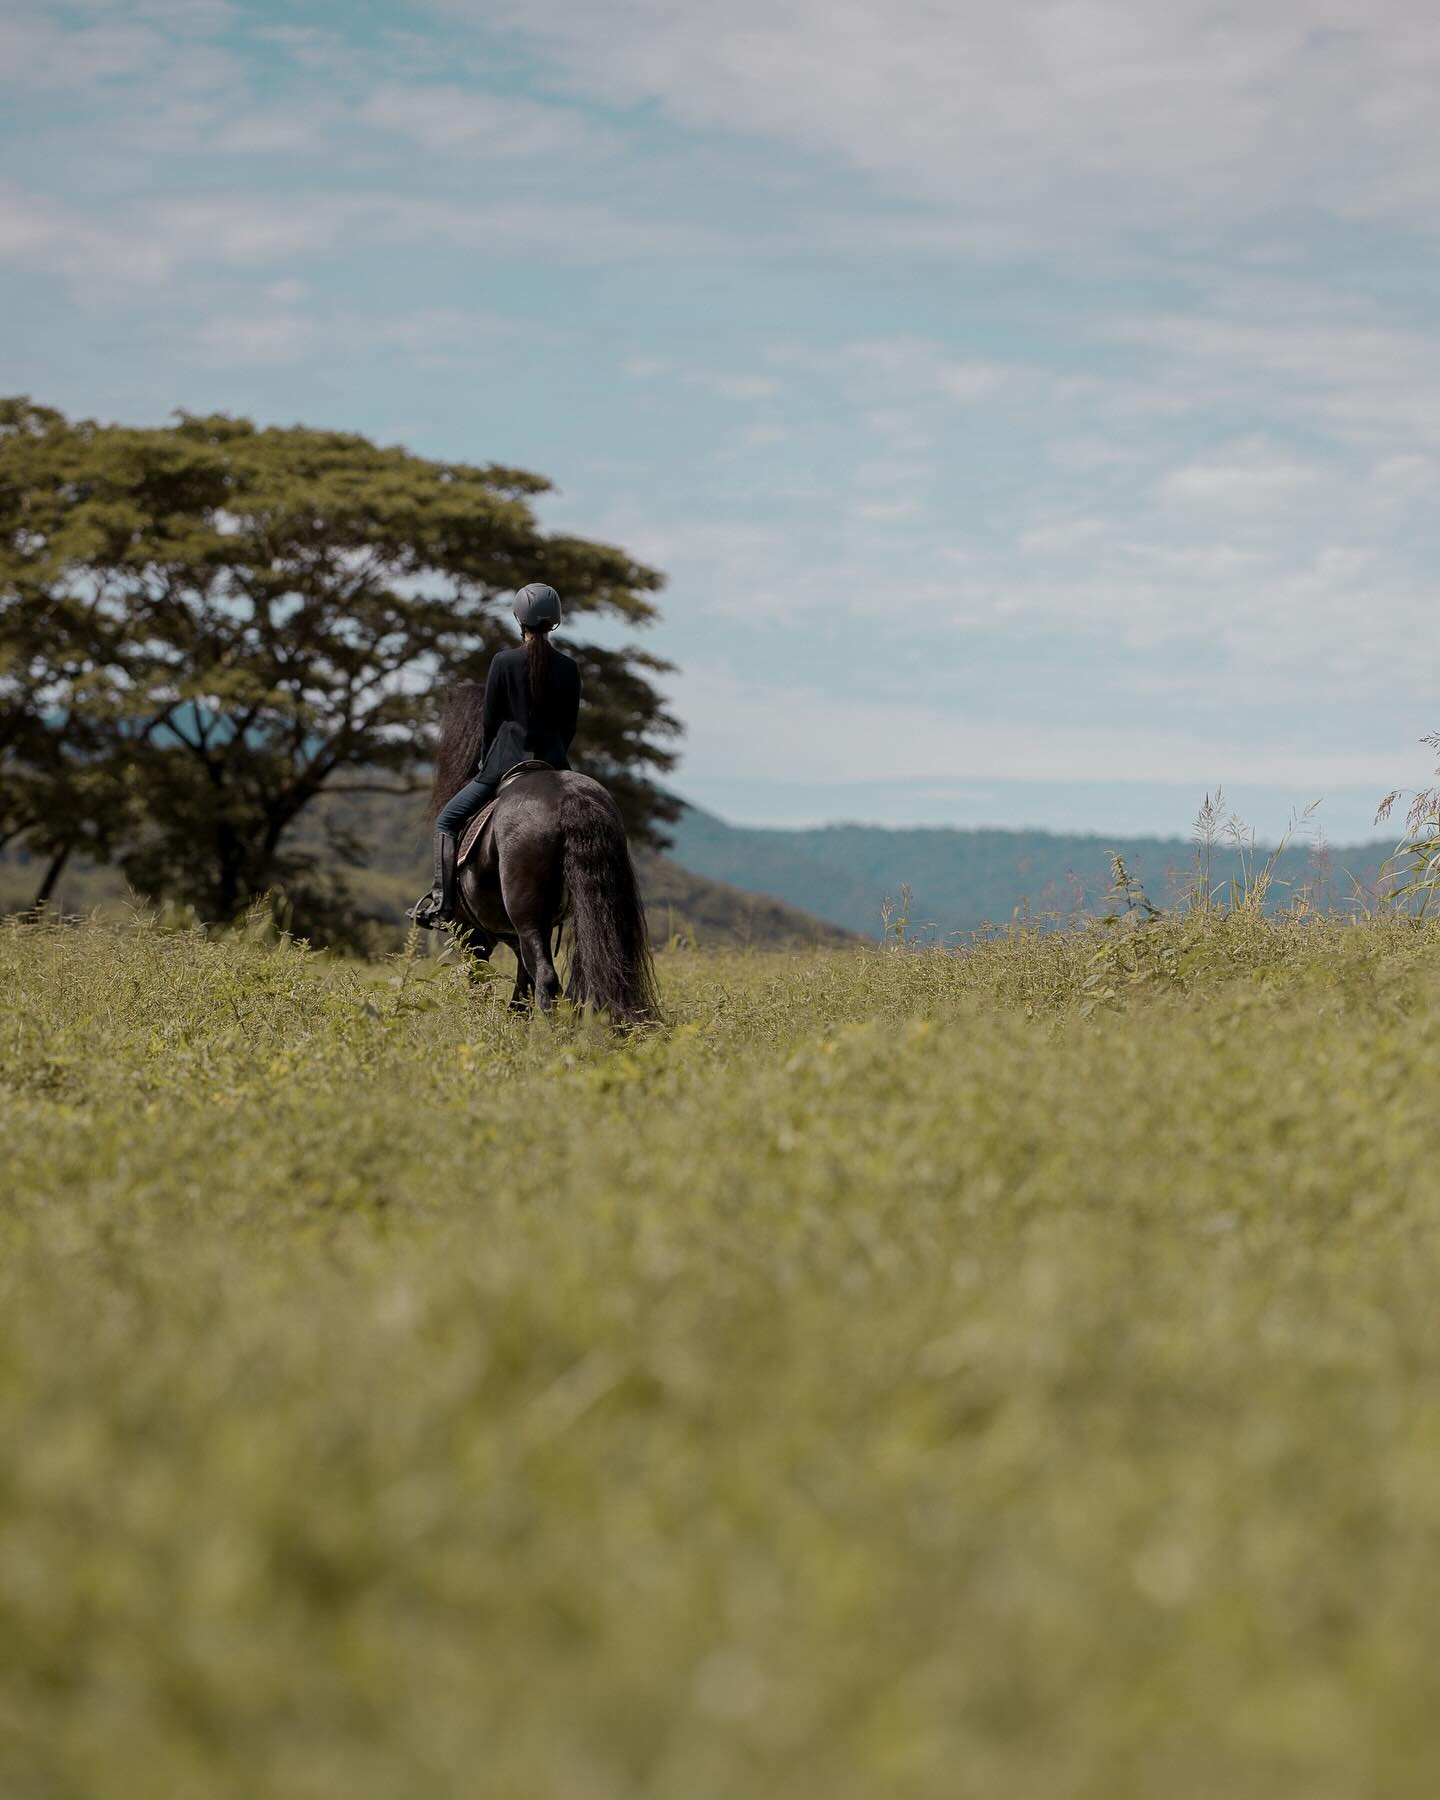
[{"x": 1011, "y": 1373}]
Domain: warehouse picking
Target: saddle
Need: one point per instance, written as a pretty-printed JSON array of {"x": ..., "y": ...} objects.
[{"x": 470, "y": 837}]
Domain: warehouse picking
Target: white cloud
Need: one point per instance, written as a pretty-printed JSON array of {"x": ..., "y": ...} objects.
[
  {"x": 1064, "y": 537},
  {"x": 243, "y": 230},
  {"x": 910, "y": 387},
  {"x": 1250, "y": 480},
  {"x": 1121, "y": 112},
  {"x": 1281, "y": 622},
  {"x": 1088, "y": 453},
  {"x": 969, "y": 380},
  {"x": 434, "y": 337},
  {"x": 54, "y": 49},
  {"x": 920, "y": 364},
  {"x": 449, "y": 119},
  {"x": 738, "y": 387},
  {"x": 237, "y": 339},
  {"x": 889, "y": 512},
  {"x": 903, "y": 429},
  {"x": 749, "y": 728},
  {"x": 723, "y": 385},
  {"x": 160, "y": 237},
  {"x": 1372, "y": 384},
  {"x": 184, "y": 16},
  {"x": 891, "y": 471},
  {"x": 265, "y": 133},
  {"x": 37, "y": 233},
  {"x": 1403, "y": 480},
  {"x": 572, "y": 230},
  {"x": 730, "y": 570}
]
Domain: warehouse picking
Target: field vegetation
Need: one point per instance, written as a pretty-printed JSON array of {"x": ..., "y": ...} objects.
[{"x": 1003, "y": 1374}]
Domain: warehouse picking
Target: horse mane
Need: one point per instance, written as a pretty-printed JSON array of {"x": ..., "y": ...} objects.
[{"x": 457, "y": 748}]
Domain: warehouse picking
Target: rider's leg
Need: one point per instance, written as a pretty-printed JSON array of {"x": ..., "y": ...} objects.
[
  {"x": 455, "y": 814},
  {"x": 438, "y": 906}
]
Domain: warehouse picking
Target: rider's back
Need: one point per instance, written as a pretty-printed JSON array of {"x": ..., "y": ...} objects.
[{"x": 519, "y": 724}]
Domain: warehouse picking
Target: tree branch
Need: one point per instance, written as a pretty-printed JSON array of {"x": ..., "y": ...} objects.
[{"x": 376, "y": 787}]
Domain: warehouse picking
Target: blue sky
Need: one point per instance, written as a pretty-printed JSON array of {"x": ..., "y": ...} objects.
[{"x": 1035, "y": 407}]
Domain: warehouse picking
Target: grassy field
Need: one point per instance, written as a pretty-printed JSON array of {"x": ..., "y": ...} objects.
[{"x": 1011, "y": 1375}]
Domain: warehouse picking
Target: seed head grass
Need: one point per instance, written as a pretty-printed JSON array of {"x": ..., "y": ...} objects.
[{"x": 1003, "y": 1374}]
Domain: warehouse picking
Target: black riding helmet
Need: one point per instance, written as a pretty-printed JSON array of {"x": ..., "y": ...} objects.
[{"x": 537, "y": 607}]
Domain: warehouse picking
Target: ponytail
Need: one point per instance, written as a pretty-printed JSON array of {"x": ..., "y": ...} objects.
[{"x": 538, "y": 653}]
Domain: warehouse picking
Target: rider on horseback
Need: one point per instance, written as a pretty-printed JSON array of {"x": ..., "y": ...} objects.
[{"x": 530, "y": 706}]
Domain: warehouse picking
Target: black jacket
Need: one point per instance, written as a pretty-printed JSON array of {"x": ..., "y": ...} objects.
[{"x": 515, "y": 727}]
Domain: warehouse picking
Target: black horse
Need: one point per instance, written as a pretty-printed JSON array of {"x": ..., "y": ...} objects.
[{"x": 554, "y": 851}]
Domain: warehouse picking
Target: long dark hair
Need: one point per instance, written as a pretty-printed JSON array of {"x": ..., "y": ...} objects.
[
  {"x": 538, "y": 653},
  {"x": 457, "y": 749}
]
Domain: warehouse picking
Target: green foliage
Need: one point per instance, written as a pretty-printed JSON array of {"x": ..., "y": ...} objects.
[
  {"x": 899, "y": 1375},
  {"x": 1414, "y": 870},
  {"x": 206, "y": 626},
  {"x": 1411, "y": 877}
]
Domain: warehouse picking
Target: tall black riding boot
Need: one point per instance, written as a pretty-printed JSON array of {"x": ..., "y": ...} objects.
[{"x": 437, "y": 908}]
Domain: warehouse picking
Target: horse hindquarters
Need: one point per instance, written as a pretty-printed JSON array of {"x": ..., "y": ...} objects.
[{"x": 530, "y": 865}]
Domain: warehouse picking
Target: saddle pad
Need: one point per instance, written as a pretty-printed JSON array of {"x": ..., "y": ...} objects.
[{"x": 470, "y": 837}]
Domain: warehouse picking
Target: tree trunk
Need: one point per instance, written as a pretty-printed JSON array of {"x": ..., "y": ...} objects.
[
  {"x": 52, "y": 876},
  {"x": 227, "y": 887}
]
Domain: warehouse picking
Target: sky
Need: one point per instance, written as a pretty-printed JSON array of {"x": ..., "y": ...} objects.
[{"x": 1035, "y": 407}]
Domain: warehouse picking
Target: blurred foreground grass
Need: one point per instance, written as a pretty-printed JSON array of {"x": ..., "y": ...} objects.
[{"x": 1003, "y": 1375}]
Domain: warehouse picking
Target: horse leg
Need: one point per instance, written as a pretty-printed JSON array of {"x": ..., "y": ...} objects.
[
  {"x": 530, "y": 884},
  {"x": 535, "y": 946},
  {"x": 524, "y": 985}
]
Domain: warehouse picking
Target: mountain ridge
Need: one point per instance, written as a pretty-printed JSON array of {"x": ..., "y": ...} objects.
[{"x": 963, "y": 877}]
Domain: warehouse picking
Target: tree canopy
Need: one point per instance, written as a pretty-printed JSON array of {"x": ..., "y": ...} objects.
[{"x": 206, "y": 625}]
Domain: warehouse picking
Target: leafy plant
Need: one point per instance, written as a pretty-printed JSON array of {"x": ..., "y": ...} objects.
[{"x": 1410, "y": 880}]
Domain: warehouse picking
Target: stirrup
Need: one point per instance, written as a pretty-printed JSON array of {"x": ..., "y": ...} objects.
[
  {"x": 435, "y": 910},
  {"x": 425, "y": 912}
]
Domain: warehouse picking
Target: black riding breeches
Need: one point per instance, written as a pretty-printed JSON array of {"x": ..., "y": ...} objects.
[{"x": 475, "y": 794}]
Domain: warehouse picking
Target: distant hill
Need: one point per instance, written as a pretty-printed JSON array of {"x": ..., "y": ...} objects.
[
  {"x": 680, "y": 903},
  {"x": 963, "y": 879}
]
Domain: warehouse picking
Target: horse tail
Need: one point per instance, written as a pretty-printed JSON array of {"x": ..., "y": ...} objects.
[{"x": 610, "y": 962}]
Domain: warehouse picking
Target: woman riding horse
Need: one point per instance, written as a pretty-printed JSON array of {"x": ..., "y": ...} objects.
[
  {"x": 555, "y": 850},
  {"x": 531, "y": 704}
]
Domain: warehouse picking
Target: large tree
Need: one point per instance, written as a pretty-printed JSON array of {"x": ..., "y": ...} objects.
[{"x": 205, "y": 626}]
